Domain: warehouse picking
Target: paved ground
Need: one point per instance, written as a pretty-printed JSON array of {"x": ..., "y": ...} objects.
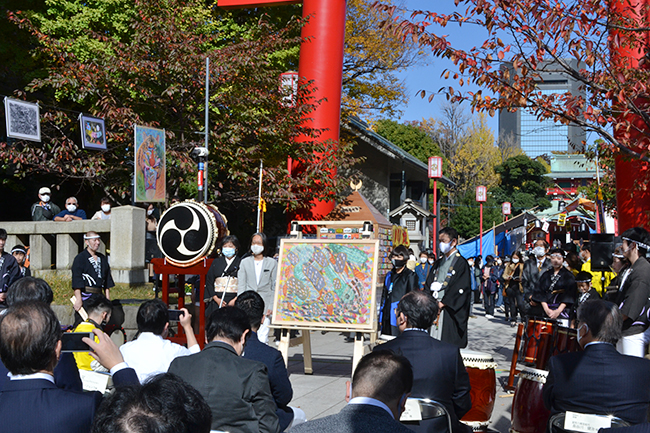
[{"x": 323, "y": 392}]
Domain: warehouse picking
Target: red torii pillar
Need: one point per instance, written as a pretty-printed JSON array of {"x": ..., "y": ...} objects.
[
  {"x": 632, "y": 203},
  {"x": 321, "y": 60}
]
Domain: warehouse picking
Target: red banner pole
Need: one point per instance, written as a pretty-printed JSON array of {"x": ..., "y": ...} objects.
[
  {"x": 481, "y": 228},
  {"x": 434, "y": 227}
]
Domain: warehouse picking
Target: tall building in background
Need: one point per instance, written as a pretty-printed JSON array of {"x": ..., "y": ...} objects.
[{"x": 536, "y": 137}]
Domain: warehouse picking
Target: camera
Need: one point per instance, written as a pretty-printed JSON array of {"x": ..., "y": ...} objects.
[{"x": 199, "y": 152}]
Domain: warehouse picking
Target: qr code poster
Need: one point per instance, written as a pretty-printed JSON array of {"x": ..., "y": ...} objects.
[{"x": 23, "y": 120}]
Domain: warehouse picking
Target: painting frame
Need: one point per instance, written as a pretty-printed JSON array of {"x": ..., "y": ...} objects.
[
  {"x": 93, "y": 132},
  {"x": 150, "y": 175},
  {"x": 289, "y": 312},
  {"x": 23, "y": 119}
]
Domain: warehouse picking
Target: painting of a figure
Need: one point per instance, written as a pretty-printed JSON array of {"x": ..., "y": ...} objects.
[
  {"x": 93, "y": 132},
  {"x": 149, "y": 164}
]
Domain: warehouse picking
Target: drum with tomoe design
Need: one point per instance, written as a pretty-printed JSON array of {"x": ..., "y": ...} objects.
[
  {"x": 482, "y": 379},
  {"x": 528, "y": 412},
  {"x": 189, "y": 231}
]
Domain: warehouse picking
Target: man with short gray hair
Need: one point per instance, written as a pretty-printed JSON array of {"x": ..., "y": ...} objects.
[
  {"x": 599, "y": 380},
  {"x": 71, "y": 211}
]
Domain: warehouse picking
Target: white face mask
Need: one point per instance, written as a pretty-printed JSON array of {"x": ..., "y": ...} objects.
[
  {"x": 257, "y": 249},
  {"x": 445, "y": 247},
  {"x": 587, "y": 330},
  {"x": 228, "y": 252},
  {"x": 149, "y": 212},
  {"x": 423, "y": 260},
  {"x": 45, "y": 198},
  {"x": 539, "y": 251},
  {"x": 71, "y": 208},
  {"x": 106, "y": 208},
  {"x": 515, "y": 261},
  {"x": 431, "y": 261}
]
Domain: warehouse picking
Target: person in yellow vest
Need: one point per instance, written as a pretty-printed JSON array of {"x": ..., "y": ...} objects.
[
  {"x": 598, "y": 279},
  {"x": 99, "y": 311}
]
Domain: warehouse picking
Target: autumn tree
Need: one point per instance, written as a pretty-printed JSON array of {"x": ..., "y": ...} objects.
[
  {"x": 156, "y": 79},
  {"x": 465, "y": 214},
  {"x": 408, "y": 137}
]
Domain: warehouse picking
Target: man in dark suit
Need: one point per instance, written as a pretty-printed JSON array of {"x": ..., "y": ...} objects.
[
  {"x": 533, "y": 270},
  {"x": 30, "y": 345},
  {"x": 236, "y": 389},
  {"x": 599, "y": 380},
  {"x": 381, "y": 384},
  {"x": 438, "y": 370},
  {"x": 252, "y": 304}
]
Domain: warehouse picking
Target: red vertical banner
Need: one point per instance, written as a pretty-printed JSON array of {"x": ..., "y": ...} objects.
[
  {"x": 435, "y": 172},
  {"x": 481, "y": 197}
]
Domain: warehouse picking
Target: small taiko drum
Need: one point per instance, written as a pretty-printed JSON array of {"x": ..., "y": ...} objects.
[
  {"x": 565, "y": 340},
  {"x": 538, "y": 341},
  {"x": 482, "y": 378},
  {"x": 225, "y": 288},
  {"x": 528, "y": 412},
  {"x": 189, "y": 231}
]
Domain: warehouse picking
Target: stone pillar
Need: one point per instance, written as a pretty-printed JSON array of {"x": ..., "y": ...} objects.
[
  {"x": 127, "y": 244},
  {"x": 66, "y": 250},
  {"x": 12, "y": 241},
  {"x": 40, "y": 252}
]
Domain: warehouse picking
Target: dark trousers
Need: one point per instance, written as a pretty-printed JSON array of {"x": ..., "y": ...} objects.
[
  {"x": 514, "y": 303},
  {"x": 488, "y": 299}
]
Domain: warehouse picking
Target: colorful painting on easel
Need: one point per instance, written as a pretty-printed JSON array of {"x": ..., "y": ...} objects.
[
  {"x": 327, "y": 284},
  {"x": 149, "y": 164}
]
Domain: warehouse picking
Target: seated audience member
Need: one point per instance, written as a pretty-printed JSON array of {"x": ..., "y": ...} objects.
[
  {"x": 71, "y": 211},
  {"x": 44, "y": 210},
  {"x": 9, "y": 269},
  {"x": 150, "y": 353},
  {"x": 66, "y": 373},
  {"x": 99, "y": 310},
  {"x": 599, "y": 380},
  {"x": 164, "y": 404},
  {"x": 437, "y": 366},
  {"x": 30, "y": 344},
  {"x": 20, "y": 254},
  {"x": 381, "y": 384},
  {"x": 236, "y": 389},
  {"x": 105, "y": 210},
  {"x": 252, "y": 304}
]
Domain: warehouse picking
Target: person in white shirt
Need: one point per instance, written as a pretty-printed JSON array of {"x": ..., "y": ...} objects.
[{"x": 151, "y": 353}]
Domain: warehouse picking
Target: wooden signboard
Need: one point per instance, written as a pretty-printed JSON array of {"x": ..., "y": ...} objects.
[{"x": 327, "y": 284}]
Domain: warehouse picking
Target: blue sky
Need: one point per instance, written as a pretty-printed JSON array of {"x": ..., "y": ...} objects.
[{"x": 428, "y": 77}]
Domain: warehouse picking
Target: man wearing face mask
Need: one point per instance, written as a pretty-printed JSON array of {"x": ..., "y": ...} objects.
[
  {"x": 44, "y": 210},
  {"x": 599, "y": 380},
  {"x": 223, "y": 275},
  {"x": 71, "y": 212},
  {"x": 533, "y": 269},
  {"x": 399, "y": 281},
  {"x": 450, "y": 283},
  {"x": 634, "y": 292}
]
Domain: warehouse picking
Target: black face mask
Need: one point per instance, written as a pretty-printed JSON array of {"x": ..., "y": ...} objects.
[{"x": 399, "y": 263}]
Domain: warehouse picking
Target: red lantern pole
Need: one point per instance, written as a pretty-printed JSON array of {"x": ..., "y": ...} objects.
[
  {"x": 435, "y": 172},
  {"x": 481, "y": 196}
]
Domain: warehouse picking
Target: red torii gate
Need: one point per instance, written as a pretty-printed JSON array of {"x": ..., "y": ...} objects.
[{"x": 321, "y": 60}]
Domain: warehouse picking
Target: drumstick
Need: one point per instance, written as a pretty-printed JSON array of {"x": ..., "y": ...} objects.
[{"x": 224, "y": 291}]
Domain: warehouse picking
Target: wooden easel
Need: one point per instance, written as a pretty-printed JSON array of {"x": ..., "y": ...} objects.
[
  {"x": 165, "y": 269},
  {"x": 305, "y": 339}
]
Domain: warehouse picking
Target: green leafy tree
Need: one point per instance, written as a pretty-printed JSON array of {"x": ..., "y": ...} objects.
[
  {"x": 465, "y": 216},
  {"x": 156, "y": 79},
  {"x": 523, "y": 183},
  {"x": 408, "y": 137}
]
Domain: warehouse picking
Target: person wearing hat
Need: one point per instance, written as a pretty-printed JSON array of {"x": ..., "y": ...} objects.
[
  {"x": 634, "y": 292},
  {"x": 44, "y": 210},
  {"x": 90, "y": 272},
  {"x": 585, "y": 289},
  {"x": 620, "y": 266},
  {"x": 557, "y": 289},
  {"x": 20, "y": 254}
]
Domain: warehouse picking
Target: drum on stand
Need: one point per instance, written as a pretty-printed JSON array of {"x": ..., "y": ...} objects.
[
  {"x": 189, "y": 231},
  {"x": 538, "y": 341},
  {"x": 481, "y": 368},
  {"x": 565, "y": 340},
  {"x": 528, "y": 412}
]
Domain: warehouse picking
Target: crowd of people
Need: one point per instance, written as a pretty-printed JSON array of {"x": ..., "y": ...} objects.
[{"x": 425, "y": 309}]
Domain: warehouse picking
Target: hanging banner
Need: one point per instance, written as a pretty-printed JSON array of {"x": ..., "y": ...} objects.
[
  {"x": 23, "y": 120},
  {"x": 149, "y": 177},
  {"x": 93, "y": 132},
  {"x": 400, "y": 236}
]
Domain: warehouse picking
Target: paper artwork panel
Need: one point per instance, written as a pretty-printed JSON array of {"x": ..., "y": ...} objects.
[
  {"x": 149, "y": 164},
  {"x": 93, "y": 132},
  {"x": 23, "y": 120},
  {"x": 325, "y": 283}
]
